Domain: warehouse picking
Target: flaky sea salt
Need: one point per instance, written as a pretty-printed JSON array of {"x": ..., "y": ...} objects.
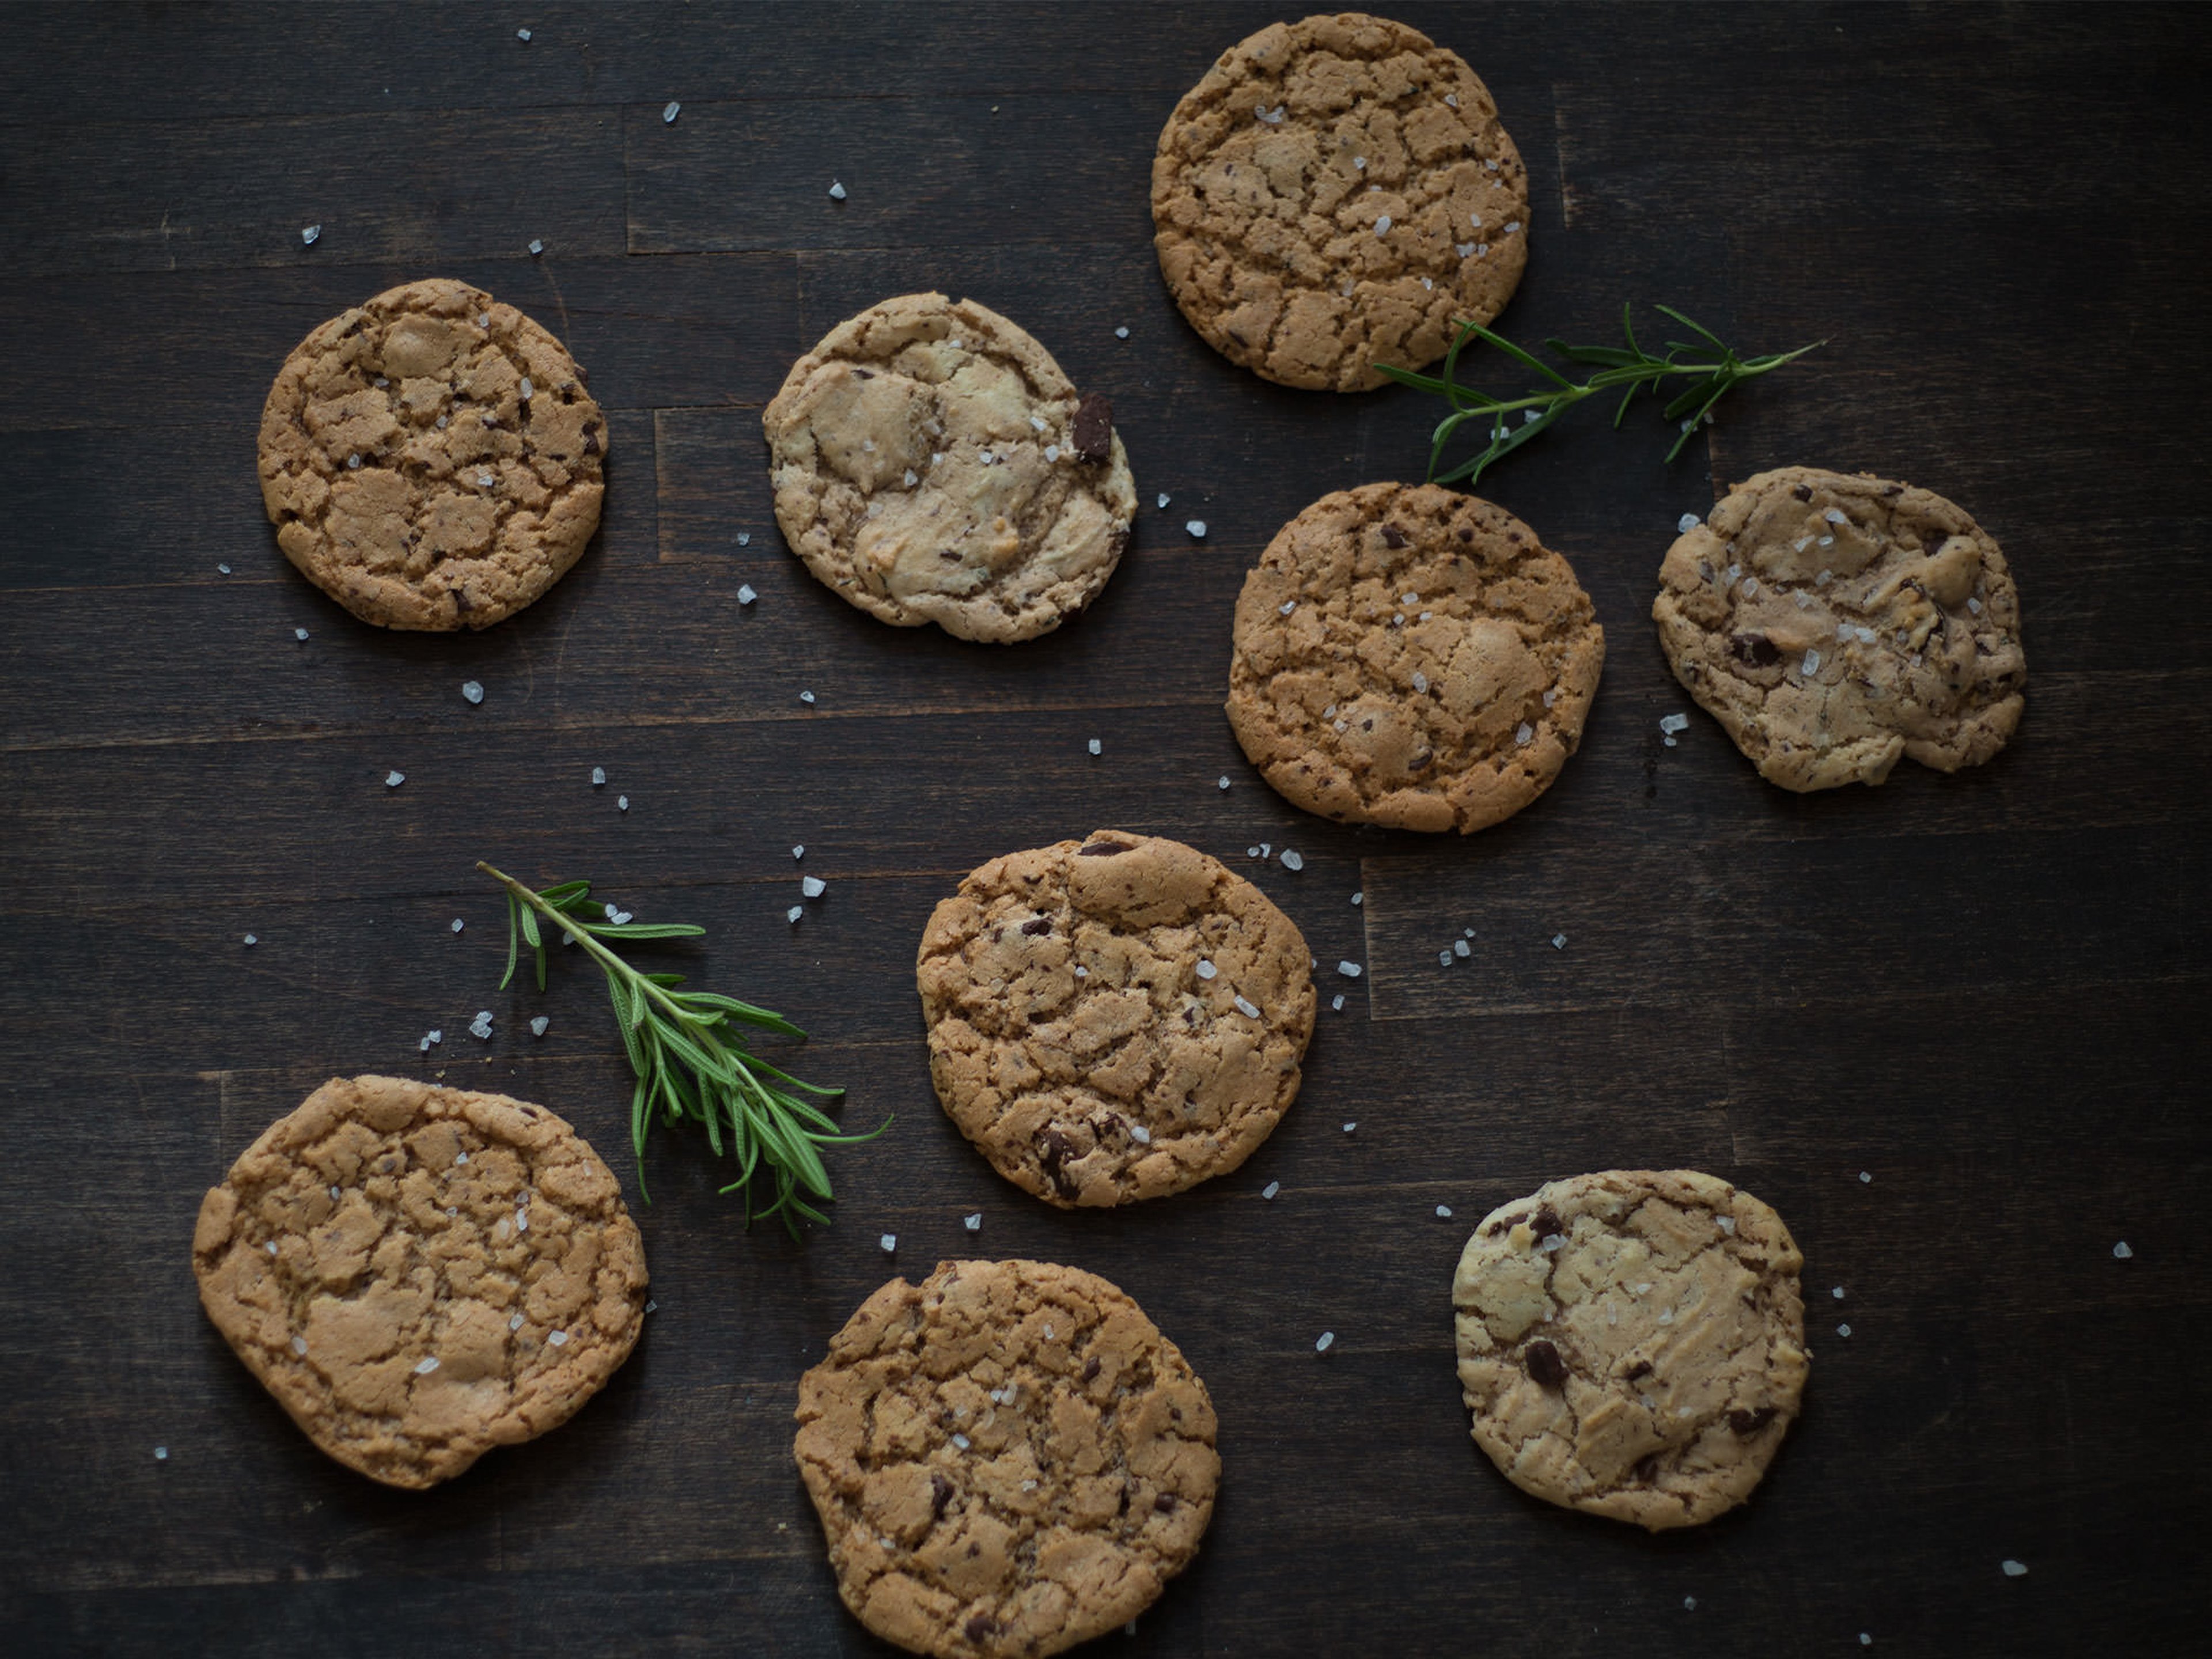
[
  {"x": 1812, "y": 664},
  {"x": 621, "y": 803},
  {"x": 974, "y": 1223},
  {"x": 1223, "y": 780},
  {"x": 2122, "y": 1251},
  {"x": 1095, "y": 746},
  {"x": 472, "y": 691},
  {"x": 1292, "y": 859},
  {"x": 393, "y": 780},
  {"x": 1348, "y": 969},
  {"x": 792, "y": 914},
  {"x": 1197, "y": 529},
  {"x": 746, "y": 594},
  {"x": 537, "y": 1025},
  {"x": 889, "y": 1242},
  {"x": 1671, "y": 724},
  {"x": 1524, "y": 732},
  {"x": 1686, "y": 523},
  {"x": 1559, "y": 941},
  {"x": 1271, "y": 1189},
  {"x": 300, "y": 634},
  {"x": 1247, "y": 1009},
  {"x": 536, "y": 248},
  {"x": 423, "y": 1367},
  {"x": 1323, "y": 1345},
  {"x": 837, "y": 192},
  {"x": 669, "y": 114},
  {"x": 813, "y": 886},
  {"x": 310, "y": 235},
  {"x": 1443, "y": 1212},
  {"x": 1336, "y": 1003},
  {"x": 2015, "y": 1569},
  {"x": 558, "y": 1339}
]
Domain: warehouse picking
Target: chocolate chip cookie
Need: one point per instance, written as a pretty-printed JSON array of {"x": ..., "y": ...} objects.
[
  {"x": 419, "y": 1274},
  {"x": 1335, "y": 193},
  {"x": 431, "y": 459},
  {"x": 1412, "y": 656},
  {"x": 1114, "y": 1019},
  {"x": 1832, "y": 621},
  {"x": 931, "y": 464},
  {"x": 1007, "y": 1458},
  {"x": 1632, "y": 1343}
]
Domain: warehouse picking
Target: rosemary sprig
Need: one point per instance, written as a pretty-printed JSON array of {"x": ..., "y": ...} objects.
[
  {"x": 691, "y": 1062},
  {"x": 1633, "y": 369}
]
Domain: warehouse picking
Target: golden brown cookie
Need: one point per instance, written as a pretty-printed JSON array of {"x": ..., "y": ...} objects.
[
  {"x": 1335, "y": 193},
  {"x": 419, "y": 1274},
  {"x": 1007, "y": 1458},
  {"x": 1632, "y": 1343},
  {"x": 1411, "y": 656},
  {"x": 931, "y": 464},
  {"x": 431, "y": 459},
  {"x": 1114, "y": 1019},
  {"x": 1832, "y": 621}
]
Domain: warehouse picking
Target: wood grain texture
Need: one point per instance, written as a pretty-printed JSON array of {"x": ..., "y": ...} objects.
[{"x": 1986, "y": 992}]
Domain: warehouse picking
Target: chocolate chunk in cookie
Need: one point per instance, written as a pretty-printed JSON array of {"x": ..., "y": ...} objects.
[
  {"x": 1008, "y": 1459},
  {"x": 431, "y": 459},
  {"x": 931, "y": 464},
  {"x": 1643, "y": 1359},
  {"x": 1833, "y": 622},
  {"x": 1335, "y": 193},
  {"x": 1411, "y": 656},
  {"x": 419, "y": 1274},
  {"x": 1146, "y": 1037}
]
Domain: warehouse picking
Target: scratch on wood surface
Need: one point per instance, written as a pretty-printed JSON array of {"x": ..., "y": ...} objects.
[
  {"x": 1559, "y": 146},
  {"x": 561, "y": 304}
]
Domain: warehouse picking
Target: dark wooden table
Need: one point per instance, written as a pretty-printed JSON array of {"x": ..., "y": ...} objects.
[{"x": 1987, "y": 993}]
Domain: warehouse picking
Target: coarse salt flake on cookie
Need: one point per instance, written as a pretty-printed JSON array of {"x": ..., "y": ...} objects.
[
  {"x": 932, "y": 464},
  {"x": 1115, "y": 1019},
  {"x": 1412, "y": 656},
  {"x": 1007, "y": 1459},
  {"x": 431, "y": 459},
  {"x": 1631, "y": 1344},
  {"x": 1335, "y": 193},
  {"x": 419, "y": 1274}
]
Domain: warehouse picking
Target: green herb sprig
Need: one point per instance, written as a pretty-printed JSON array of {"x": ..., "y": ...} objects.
[
  {"x": 691, "y": 1062},
  {"x": 1631, "y": 369}
]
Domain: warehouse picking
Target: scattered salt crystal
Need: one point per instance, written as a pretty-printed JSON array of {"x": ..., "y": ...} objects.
[
  {"x": 1323, "y": 1345},
  {"x": 309, "y": 235},
  {"x": 480, "y": 1027},
  {"x": 806, "y": 696},
  {"x": 271, "y": 1247},
  {"x": 160, "y": 1454},
  {"x": 223, "y": 570},
  {"x": 1865, "y": 1176},
  {"x": 1420, "y": 680},
  {"x": 889, "y": 1242},
  {"x": 558, "y": 1339},
  {"x": 974, "y": 1223},
  {"x": 1550, "y": 697},
  {"x": 425, "y": 1366},
  {"x": 522, "y": 34},
  {"x": 1801, "y": 544},
  {"x": 744, "y": 537},
  {"x": 1197, "y": 528},
  {"x": 1443, "y": 959},
  {"x": 1286, "y": 607},
  {"x": 1350, "y": 1126},
  {"x": 1812, "y": 665},
  {"x": 792, "y": 914},
  {"x": 1512, "y": 226},
  {"x": 251, "y": 939},
  {"x": 472, "y": 690},
  {"x": 1247, "y": 1009},
  {"x": 1464, "y": 249},
  {"x": 746, "y": 594},
  {"x": 1675, "y": 722},
  {"x": 1558, "y": 1242},
  {"x": 1834, "y": 515},
  {"x": 1974, "y": 605},
  {"x": 1689, "y": 1603},
  {"x": 1164, "y": 499},
  {"x": 485, "y": 480},
  {"x": 1140, "y": 1134},
  {"x": 1559, "y": 941},
  {"x": 668, "y": 115},
  {"x": 1122, "y": 333},
  {"x": 1383, "y": 225},
  {"x": 1865, "y": 1640},
  {"x": 2015, "y": 1569},
  {"x": 300, "y": 634},
  {"x": 1349, "y": 970},
  {"x": 457, "y": 924},
  {"x": 1825, "y": 541},
  {"x": 621, "y": 803},
  {"x": 1223, "y": 780},
  {"x": 1523, "y": 732},
  {"x": 813, "y": 886},
  {"x": 536, "y": 248},
  {"x": 1337, "y": 1004},
  {"x": 353, "y": 463},
  {"x": 1842, "y": 1330},
  {"x": 837, "y": 192},
  {"x": 1095, "y": 747},
  {"x": 2122, "y": 1251},
  {"x": 393, "y": 780},
  {"x": 599, "y": 777},
  {"x": 539, "y": 1024},
  {"x": 961, "y": 1441},
  {"x": 1726, "y": 1224},
  {"x": 1358, "y": 897},
  {"x": 1838, "y": 1294},
  {"x": 1686, "y": 523},
  {"x": 514, "y": 1321},
  {"x": 1292, "y": 859},
  {"x": 1460, "y": 949}
]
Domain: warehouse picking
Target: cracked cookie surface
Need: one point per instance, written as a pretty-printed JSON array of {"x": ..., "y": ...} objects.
[
  {"x": 1114, "y": 1019},
  {"x": 1411, "y": 656},
  {"x": 419, "y": 1274},
  {"x": 1632, "y": 1343},
  {"x": 931, "y": 464},
  {"x": 1832, "y": 621},
  {"x": 431, "y": 459},
  {"x": 1334, "y": 193},
  {"x": 1007, "y": 1458}
]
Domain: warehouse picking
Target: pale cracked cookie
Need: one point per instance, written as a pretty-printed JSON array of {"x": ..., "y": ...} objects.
[
  {"x": 1007, "y": 1458},
  {"x": 1335, "y": 193},
  {"x": 431, "y": 459},
  {"x": 1632, "y": 1343},
  {"x": 1411, "y": 656},
  {"x": 1114, "y": 1019},
  {"x": 931, "y": 464},
  {"x": 419, "y": 1274},
  {"x": 1832, "y": 621}
]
